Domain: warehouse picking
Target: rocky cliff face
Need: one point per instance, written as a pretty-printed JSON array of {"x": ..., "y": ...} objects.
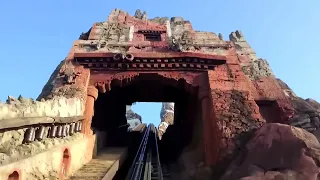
[
  {"x": 166, "y": 116},
  {"x": 133, "y": 118},
  {"x": 130, "y": 114},
  {"x": 307, "y": 111}
]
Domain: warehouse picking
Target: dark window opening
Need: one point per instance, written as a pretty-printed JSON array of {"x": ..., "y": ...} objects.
[
  {"x": 269, "y": 111},
  {"x": 152, "y": 37}
]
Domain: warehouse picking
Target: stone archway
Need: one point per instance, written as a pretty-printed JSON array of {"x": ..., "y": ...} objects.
[{"x": 105, "y": 82}]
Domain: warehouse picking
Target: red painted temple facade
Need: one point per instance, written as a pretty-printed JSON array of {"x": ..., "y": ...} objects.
[{"x": 235, "y": 91}]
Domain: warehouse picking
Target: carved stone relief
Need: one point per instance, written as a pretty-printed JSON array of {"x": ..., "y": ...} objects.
[
  {"x": 69, "y": 73},
  {"x": 113, "y": 37},
  {"x": 114, "y": 32},
  {"x": 182, "y": 43}
]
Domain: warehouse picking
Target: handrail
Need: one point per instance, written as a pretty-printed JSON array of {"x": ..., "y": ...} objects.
[{"x": 29, "y": 121}]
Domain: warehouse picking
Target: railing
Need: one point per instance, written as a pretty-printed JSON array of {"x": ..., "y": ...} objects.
[{"x": 38, "y": 128}]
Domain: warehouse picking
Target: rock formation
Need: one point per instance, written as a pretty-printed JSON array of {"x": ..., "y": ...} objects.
[
  {"x": 133, "y": 118},
  {"x": 166, "y": 116},
  {"x": 277, "y": 151},
  {"x": 307, "y": 111},
  {"x": 222, "y": 93}
]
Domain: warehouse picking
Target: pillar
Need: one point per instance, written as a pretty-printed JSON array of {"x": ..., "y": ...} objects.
[
  {"x": 92, "y": 95},
  {"x": 210, "y": 134}
]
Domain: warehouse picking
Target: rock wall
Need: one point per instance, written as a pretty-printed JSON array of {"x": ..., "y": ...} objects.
[
  {"x": 277, "y": 151},
  {"x": 133, "y": 118},
  {"x": 266, "y": 87},
  {"x": 237, "y": 116},
  {"x": 130, "y": 114},
  {"x": 166, "y": 118},
  {"x": 233, "y": 108},
  {"x": 56, "y": 107},
  {"x": 306, "y": 111},
  {"x": 68, "y": 80}
]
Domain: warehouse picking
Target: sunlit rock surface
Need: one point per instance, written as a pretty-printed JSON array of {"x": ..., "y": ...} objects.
[
  {"x": 166, "y": 116},
  {"x": 133, "y": 118}
]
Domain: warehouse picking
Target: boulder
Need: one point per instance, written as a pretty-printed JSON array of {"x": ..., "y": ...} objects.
[{"x": 276, "y": 152}]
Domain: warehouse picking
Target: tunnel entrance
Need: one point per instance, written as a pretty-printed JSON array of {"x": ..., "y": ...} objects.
[{"x": 110, "y": 115}]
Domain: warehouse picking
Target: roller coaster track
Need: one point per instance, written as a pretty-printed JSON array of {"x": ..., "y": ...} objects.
[{"x": 146, "y": 164}]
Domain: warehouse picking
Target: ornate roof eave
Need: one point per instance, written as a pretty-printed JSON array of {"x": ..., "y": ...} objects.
[
  {"x": 149, "y": 61},
  {"x": 219, "y": 58}
]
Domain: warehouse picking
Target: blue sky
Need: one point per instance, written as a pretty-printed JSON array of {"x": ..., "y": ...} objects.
[{"x": 37, "y": 35}]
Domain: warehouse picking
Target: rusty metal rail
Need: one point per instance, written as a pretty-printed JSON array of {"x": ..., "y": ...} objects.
[{"x": 146, "y": 164}]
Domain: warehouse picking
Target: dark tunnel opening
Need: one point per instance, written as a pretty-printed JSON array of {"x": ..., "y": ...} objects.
[{"x": 110, "y": 116}]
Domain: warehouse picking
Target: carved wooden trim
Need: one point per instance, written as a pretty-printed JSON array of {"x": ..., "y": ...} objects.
[
  {"x": 103, "y": 80},
  {"x": 212, "y": 57},
  {"x": 123, "y": 63}
]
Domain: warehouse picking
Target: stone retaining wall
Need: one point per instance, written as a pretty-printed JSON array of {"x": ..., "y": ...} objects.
[
  {"x": 12, "y": 149},
  {"x": 47, "y": 165}
]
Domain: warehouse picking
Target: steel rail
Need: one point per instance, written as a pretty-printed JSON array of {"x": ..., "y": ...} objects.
[
  {"x": 146, "y": 164},
  {"x": 132, "y": 174},
  {"x": 160, "y": 176}
]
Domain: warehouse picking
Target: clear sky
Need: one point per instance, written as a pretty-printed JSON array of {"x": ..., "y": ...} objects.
[{"x": 37, "y": 35}]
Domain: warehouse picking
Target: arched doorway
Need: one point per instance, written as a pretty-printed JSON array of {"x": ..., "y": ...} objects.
[
  {"x": 65, "y": 164},
  {"x": 110, "y": 106},
  {"x": 14, "y": 176}
]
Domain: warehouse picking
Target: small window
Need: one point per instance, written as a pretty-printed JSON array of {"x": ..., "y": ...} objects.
[{"x": 152, "y": 37}]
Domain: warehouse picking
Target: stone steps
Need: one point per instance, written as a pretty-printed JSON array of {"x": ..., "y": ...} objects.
[{"x": 105, "y": 165}]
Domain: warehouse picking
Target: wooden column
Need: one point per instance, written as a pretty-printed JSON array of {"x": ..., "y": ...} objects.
[{"x": 92, "y": 95}]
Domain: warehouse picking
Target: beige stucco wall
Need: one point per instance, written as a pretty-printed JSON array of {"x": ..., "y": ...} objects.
[
  {"x": 47, "y": 165},
  {"x": 56, "y": 107}
]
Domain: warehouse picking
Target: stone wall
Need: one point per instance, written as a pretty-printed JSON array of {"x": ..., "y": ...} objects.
[
  {"x": 56, "y": 107},
  {"x": 12, "y": 148},
  {"x": 47, "y": 164},
  {"x": 263, "y": 79},
  {"x": 234, "y": 109}
]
